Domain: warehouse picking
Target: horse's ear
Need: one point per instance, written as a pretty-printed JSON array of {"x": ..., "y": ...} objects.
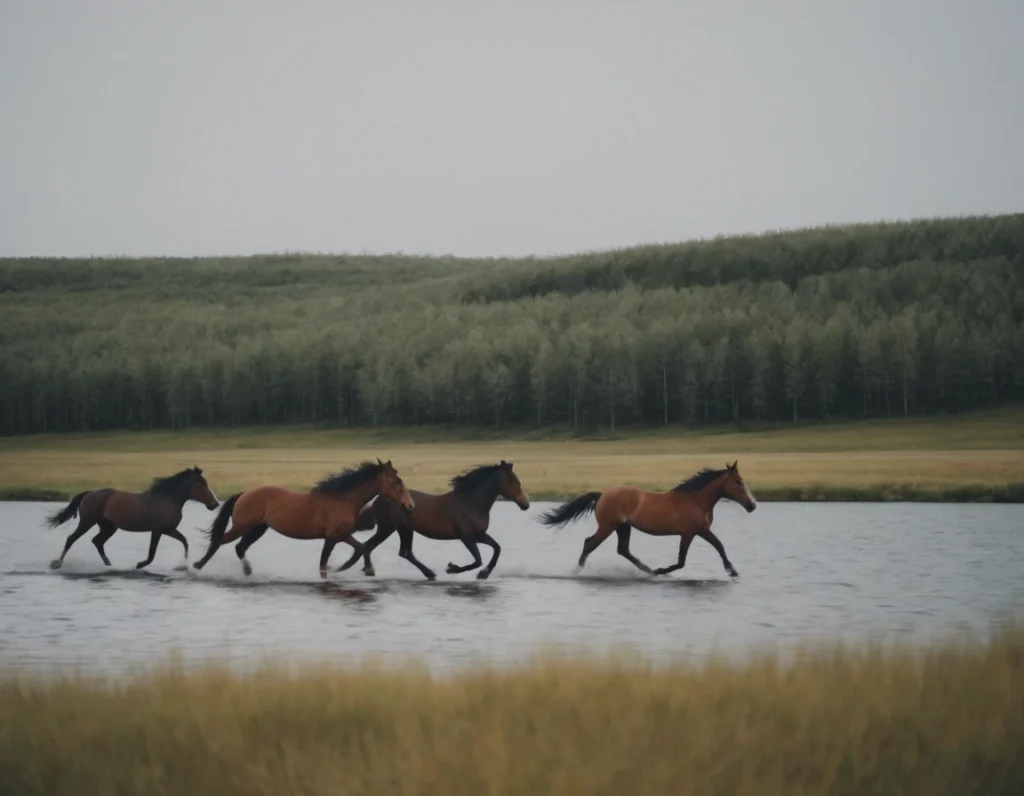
[{"x": 379, "y": 462}]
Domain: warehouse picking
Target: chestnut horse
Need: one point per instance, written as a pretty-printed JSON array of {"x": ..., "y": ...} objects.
[
  {"x": 328, "y": 511},
  {"x": 464, "y": 513},
  {"x": 686, "y": 510},
  {"x": 157, "y": 510}
]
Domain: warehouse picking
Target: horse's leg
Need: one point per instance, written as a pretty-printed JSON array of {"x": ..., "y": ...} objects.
[
  {"x": 326, "y": 554},
  {"x": 405, "y": 536},
  {"x": 357, "y": 552},
  {"x": 474, "y": 550},
  {"x": 107, "y": 529},
  {"x": 174, "y": 533},
  {"x": 484, "y": 538},
  {"x": 591, "y": 543},
  {"x": 248, "y": 541},
  {"x": 713, "y": 541},
  {"x": 623, "y": 530},
  {"x": 684, "y": 545},
  {"x": 83, "y": 526},
  {"x": 371, "y": 544},
  {"x": 154, "y": 540}
]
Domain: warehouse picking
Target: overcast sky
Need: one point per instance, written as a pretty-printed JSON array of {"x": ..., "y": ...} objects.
[{"x": 210, "y": 127}]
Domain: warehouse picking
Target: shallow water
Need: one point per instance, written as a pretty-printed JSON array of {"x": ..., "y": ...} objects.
[{"x": 807, "y": 572}]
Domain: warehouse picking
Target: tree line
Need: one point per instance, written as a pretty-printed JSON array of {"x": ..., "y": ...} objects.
[{"x": 849, "y": 322}]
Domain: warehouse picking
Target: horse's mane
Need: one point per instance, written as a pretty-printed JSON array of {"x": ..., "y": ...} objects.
[
  {"x": 171, "y": 484},
  {"x": 698, "y": 480},
  {"x": 471, "y": 479},
  {"x": 347, "y": 480}
]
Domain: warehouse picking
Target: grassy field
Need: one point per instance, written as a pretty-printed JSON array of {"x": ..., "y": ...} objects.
[
  {"x": 968, "y": 457},
  {"x": 948, "y": 720}
]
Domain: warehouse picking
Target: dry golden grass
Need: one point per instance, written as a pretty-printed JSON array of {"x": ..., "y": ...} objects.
[
  {"x": 947, "y": 721},
  {"x": 980, "y": 451}
]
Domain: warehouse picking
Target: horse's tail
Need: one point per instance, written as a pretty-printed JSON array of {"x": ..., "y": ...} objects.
[
  {"x": 220, "y": 525},
  {"x": 69, "y": 511},
  {"x": 572, "y": 509}
]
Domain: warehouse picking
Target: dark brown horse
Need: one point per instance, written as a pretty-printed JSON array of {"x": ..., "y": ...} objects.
[
  {"x": 464, "y": 513},
  {"x": 686, "y": 510},
  {"x": 157, "y": 510},
  {"x": 328, "y": 511}
]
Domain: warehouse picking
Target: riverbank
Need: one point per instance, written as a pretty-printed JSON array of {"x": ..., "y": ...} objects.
[
  {"x": 946, "y": 720},
  {"x": 971, "y": 457}
]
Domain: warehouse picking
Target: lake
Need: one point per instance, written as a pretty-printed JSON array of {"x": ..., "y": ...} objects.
[{"x": 808, "y": 572}]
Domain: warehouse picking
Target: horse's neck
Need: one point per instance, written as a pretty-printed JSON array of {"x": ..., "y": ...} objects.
[
  {"x": 174, "y": 498},
  {"x": 364, "y": 493},
  {"x": 482, "y": 497},
  {"x": 710, "y": 495}
]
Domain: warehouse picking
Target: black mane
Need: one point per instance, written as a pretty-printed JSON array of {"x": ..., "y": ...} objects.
[
  {"x": 347, "y": 480},
  {"x": 172, "y": 484},
  {"x": 698, "y": 480},
  {"x": 471, "y": 479}
]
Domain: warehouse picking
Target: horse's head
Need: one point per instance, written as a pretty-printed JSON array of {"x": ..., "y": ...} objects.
[
  {"x": 735, "y": 488},
  {"x": 199, "y": 490},
  {"x": 391, "y": 486},
  {"x": 509, "y": 486}
]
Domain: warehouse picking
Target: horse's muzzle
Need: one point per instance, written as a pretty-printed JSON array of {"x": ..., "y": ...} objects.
[
  {"x": 750, "y": 507},
  {"x": 213, "y": 505},
  {"x": 523, "y": 504}
]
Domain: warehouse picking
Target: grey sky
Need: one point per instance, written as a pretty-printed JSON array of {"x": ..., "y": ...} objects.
[{"x": 209, "y": 127}]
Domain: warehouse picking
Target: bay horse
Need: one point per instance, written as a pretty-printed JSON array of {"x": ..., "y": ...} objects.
[
  {"x": 464, "y": 513},
  {"x": 157, "y": 510},
  {"x": 686, "y": 510},
  {"x": 328, "y": 511}
]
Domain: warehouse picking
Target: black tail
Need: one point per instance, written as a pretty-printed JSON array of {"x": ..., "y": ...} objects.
[
  {"x": 69, "y": 511},
  {"x": 216, "y": 531},
  {"x": 220, "y": 525},
  {"x": 576, "y": 507}
]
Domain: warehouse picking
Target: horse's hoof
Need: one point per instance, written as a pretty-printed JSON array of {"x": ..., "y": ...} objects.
[
  {"x": 323, "y": 574},
  {"x": 140, "y": 565},
  {"x": 452, "y": 569},
  {"x": 369, "y": 572},
  {"x": 246, "y": 567},
  {"x": 482, "y": 575},
  {"x": 733, "y": 573},
  {"x": 197, "y": 566},
  {"x": 430, "y": 575},
  {"x": 56, "y": 563}
]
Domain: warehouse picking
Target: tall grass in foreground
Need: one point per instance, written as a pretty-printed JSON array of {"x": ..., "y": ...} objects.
[{"x": 949, "y": 720}]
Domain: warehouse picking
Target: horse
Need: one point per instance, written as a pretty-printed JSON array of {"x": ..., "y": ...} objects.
[
  {"x": 462, "y": 513},
  {"x": 686, "y": 510},
  {"x": 157, "y": 510},
  {"x": 328, "y": 511}
]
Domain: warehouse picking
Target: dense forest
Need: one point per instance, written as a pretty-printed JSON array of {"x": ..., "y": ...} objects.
[{"x": 866, "y": 320}]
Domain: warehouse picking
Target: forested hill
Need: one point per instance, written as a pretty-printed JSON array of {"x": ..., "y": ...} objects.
[{"x": 850, "y": 321}]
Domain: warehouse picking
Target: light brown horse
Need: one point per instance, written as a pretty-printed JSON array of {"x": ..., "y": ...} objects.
[
  {"x": 328, "y": 511},
  {"x": 464, "y": 513},
  {"x": 686, "y": 510},
  {"x": 157, "y": 510}
]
